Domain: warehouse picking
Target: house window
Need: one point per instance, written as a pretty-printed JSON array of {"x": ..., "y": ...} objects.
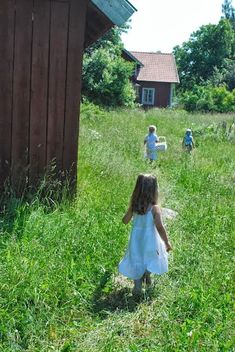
[{"x": 148, "y": 96}]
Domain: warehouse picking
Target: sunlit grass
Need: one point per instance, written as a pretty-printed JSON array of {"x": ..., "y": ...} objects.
[{"x": 60, "y": 289}]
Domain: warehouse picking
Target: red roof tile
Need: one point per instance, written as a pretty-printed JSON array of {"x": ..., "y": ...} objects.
[{"x": 157, "y": 67}]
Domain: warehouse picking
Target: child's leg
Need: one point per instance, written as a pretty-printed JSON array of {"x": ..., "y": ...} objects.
[
  {"x": 137, "y": 286},
  {"x": 148, "y": 278},
  {"x": 189, "y": 148}
]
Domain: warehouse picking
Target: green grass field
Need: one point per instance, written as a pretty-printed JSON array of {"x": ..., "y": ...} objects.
[{"x": 59, "y": 287}]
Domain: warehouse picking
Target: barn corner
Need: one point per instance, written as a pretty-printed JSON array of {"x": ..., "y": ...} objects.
[{"x": 41, "y": 51}]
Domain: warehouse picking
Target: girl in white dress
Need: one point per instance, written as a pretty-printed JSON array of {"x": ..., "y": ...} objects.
[{"x": 148, "y": 243}]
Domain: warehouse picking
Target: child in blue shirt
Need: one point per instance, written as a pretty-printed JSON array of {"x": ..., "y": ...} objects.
[
  {"x": 188, "y": 142},
  {"x": 150, "y": 141}
]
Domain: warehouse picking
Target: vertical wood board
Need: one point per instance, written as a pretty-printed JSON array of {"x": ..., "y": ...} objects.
[
  {"x": 21, "y": 91},
  {"x": 73, "y": 87},
  {"x": 7, "y": 13},
  {"x": 57, "y": 81},
  {"x": 38, "y": 111}
]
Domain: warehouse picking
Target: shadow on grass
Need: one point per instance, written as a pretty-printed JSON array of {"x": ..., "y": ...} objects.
[{"x": 117, "y": 300}]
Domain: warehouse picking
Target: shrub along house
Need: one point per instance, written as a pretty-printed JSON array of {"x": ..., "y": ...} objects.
[
  {"x": 41, "y": 51},
  {"x": 154, "y": 78}
]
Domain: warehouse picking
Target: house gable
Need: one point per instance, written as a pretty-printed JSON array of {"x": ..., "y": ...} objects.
[
  {"x": 157, "y": 67},
  {"x": 155, "y": 77}
]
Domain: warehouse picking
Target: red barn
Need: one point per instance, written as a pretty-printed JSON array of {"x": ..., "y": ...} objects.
[
  {"x": 155, "y": 77},
  {"x": 41, "y": 51}
]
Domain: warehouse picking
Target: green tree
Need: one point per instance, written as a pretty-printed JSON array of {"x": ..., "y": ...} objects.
[
  {"x": 206, "y": 49},
  {"x": 224, "y": 76},
  {"x": 106, "y": 78},
  {"x": 229, "y": 12},
  {"x": 106, "y": 75}
]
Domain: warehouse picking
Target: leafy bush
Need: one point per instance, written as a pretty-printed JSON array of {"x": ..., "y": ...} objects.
[
  {"x": 91, "y": 111},
  {"x": 208, "y": 98},
  {"x": 223, "y": 99},
  {"x": 205, "y": 102},
  {"x": 106, "y": 78}
]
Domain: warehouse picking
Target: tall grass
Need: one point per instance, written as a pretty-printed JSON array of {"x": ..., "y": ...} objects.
[{"x": 60, "y": 289}]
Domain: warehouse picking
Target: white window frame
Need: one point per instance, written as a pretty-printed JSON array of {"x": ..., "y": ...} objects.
[{"x": 148, "y": 102}]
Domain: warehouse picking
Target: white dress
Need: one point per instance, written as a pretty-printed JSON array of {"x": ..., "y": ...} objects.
[
  {"x": 151, "y": 148},
  {"x": 146, "y": 250}
]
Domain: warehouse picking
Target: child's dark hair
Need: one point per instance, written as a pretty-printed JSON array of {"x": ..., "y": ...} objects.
[{"x": 145, "y": 193}]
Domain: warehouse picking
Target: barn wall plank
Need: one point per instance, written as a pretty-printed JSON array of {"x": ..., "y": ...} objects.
[
  {"x": 38, "y": 111},
  {"x": 21, "y": 92},
  {"x": 73, "y": 87},
  {"x": 57, "y": 82},
  {"x": 7, "y": 13}
]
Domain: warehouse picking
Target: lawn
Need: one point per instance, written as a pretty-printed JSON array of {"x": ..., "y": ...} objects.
[{"x": 60, "y": 289}]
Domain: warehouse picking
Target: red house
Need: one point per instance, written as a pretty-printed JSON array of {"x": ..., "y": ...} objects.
[
  {"x": 155, "y": 77},
  {"x": 41, "y": 51}
]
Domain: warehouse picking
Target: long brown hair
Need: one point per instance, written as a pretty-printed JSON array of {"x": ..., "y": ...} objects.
[{"x": 145, "y": 193}]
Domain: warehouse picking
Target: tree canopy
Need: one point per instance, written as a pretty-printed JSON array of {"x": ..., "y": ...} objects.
[
  {"x": 229, "y": 12},
  {"x": 206, "y": 65},
  {"x": 206, "y": 50},
  {"x": 106, "y": 75},
  {"x": 106, "y": 78}
]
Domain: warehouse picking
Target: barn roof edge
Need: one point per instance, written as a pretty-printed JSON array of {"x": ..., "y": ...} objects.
[{"x": 118, "y": 11}]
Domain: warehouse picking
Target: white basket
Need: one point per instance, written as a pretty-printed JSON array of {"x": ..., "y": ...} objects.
[{"x": 161, "y": 145}]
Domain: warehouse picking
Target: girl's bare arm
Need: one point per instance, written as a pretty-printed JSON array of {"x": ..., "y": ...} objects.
[
  {"x": 128, "y": 216},
  {"x": 160, "y": 227}
]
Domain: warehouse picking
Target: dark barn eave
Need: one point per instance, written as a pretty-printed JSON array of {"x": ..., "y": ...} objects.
[
  {"x": 96, "y": 24},
  {"x": 103, "y": 15}
]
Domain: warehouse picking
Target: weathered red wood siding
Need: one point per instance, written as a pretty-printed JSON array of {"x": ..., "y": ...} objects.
[
  {"x": 20, "y": 147},
  {"x": 39, "y": 104},
  {"x": 162, "y": 92},
  {"x": 41, "y": 48},
  {"x": 7, "y": 33}
]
